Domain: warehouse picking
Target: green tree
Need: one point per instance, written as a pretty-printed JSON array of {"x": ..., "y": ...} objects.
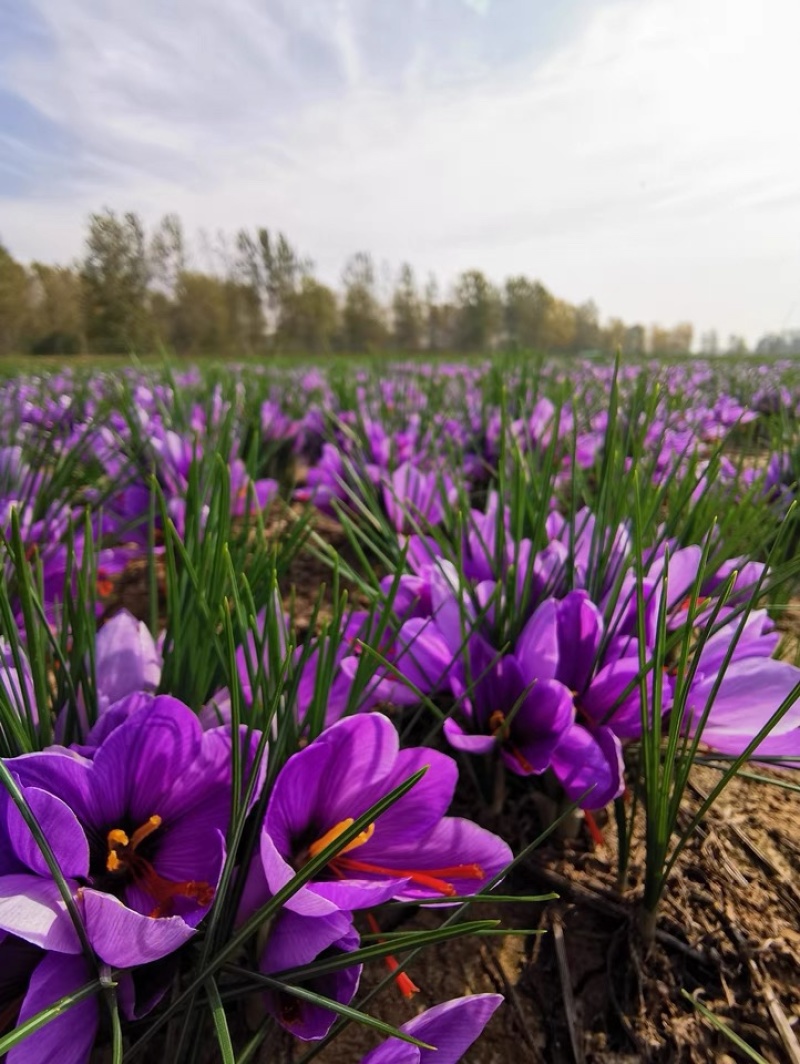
[
  {"x": 525, "y": 308},
  {"x": 559, "y": 327},
  {"x": 200, "y": 319},
  {"x": 15, "y": 311},
  {"x": 479, "y": 312},
  {"x": 214, "y": 315},
  {"x": 310, "y": 318},
  {"x": 407, "y": 312},
  {"x": 363, "y": 326},
  {"x": 167, "y": 255},
  {"x": 115, "y": 277},
  {"x": 56, "y": 310},
  {"x": 587, "y": 327},
  {"x": 635, "y": 341},
  {"x": 612, "y": 336},
  {"x": 675, "y": 341},
  {"x": 274, "y": 270},
  {"x": 434, "y": 333}
]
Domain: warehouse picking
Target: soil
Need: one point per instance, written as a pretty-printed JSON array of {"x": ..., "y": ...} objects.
[{"x": 589, "y": 989}]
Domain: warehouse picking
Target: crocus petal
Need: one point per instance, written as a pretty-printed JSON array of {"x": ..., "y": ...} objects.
[
  {"x": 363, "y": 751},
  {"x": 59, "y": 826},
  {"x": 111, "y": 719},
  {"x": 580, "y": 629},
  {"x": 754, "y": 640},
  {"x": 69, "y": 1037},
  {"x": 124, "y": 938},
  {"x": 423, "y": 656},
  {"x": 585, "y": 759},
  {"x": 357, "y": 891},
  {"x": 545, "y": 713},
  {"x": 452, "y": 1027},
  {"x": 189, "y": 855},
  {"x": 136, "y": 768},
  {"x": 293, "y": 803},
  {"x": 295, "y": 940},
  {"x": 453, "y": 843},
  {"x": 537, "y": 648},
  {"x": 681, "y": 574},
  {"x": 422, "y": 806},
  {"x": 749, "y": 694},
  {"x": 32, "y": 909},
  {"x": 62, "y": 773},
  {"x": 141, "y": 989},
  {"x": 278, "y": 872},
  {"x": 607, "y": 690},
  {"x": 461, "y": 740},
  {"x": 126, "y": 659}
]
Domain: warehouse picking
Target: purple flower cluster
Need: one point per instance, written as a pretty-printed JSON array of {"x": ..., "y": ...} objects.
[
  {"x": 136, "y": 818},
  {"x": 565, "y": 693}
]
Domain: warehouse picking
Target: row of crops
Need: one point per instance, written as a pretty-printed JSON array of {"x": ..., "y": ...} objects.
[{"x": 260, "y": 625}]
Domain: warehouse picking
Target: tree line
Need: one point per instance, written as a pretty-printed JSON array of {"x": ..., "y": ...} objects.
[{"x": 255, "y": 293}]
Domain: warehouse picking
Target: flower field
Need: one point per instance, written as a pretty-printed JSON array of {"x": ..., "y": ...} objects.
[{"x": 349, "y": 710}]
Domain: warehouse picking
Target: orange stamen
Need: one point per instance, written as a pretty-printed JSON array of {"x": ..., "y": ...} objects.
[
  {"x": 404, "y": 983},
  {"x": 594, "y": 830},
  {"x": 122, "y": 857},
  {"x": 497, "y": 721},
  {"x": 433, "y": 879},
  {"x": 104, "y": 586},
  {"x": 152, "y": 824},
  {"x": 519, "y": 757},
  {"x": 325, "y": 840},
  {"x": 687, "y": 603}
]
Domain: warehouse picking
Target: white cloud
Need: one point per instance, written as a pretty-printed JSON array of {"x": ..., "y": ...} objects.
[{"x": 651, "y": 163}]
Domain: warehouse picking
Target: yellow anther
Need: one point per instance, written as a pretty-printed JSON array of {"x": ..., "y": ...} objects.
[
  {"x": 149, "y": 826},
  {"x": 118, "y": 841},
  {"x": 325, "y": 840}
]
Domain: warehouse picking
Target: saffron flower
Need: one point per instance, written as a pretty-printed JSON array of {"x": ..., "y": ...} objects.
[
  {"x": 296, "y": 940},
  {"x": 412, "y": 497},
  {"x": 516, "y": 703},
  {"x": 452, "y": 1027},
  {"x": 751, "y": 690},
  {"x": 138, "y": 832},
  {"x": 32, "y": 980},
  {"x": 411, "y": 851}
]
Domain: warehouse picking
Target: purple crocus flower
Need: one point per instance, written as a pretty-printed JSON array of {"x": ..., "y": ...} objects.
[
  {"x": 126, "y": 660},
  {"x": 413, "y": 850},
  {"x": 452, "y": 1027},
  {"x": 753, "y": 687},
  {"x": 413, "y": 497},
  {"x": 516, "y": 704},
  {"x": 263, "y": 491},
  {"x": 127, "y": 663},
  {"x": 606, "y": 711},
  {"x": 32, "y": 980},
  {"x": 17, "y": 684},
  {"x": 296, "y": 940},
  {"x": 138, "y": 832}
]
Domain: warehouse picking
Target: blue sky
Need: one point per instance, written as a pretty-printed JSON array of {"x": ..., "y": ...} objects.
[{"x": 640, "y": 152}]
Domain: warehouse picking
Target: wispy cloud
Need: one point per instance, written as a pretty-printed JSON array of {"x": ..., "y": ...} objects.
[
  {"x": 647, "y": 157},
  {"x": 481, "y": 6}
]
